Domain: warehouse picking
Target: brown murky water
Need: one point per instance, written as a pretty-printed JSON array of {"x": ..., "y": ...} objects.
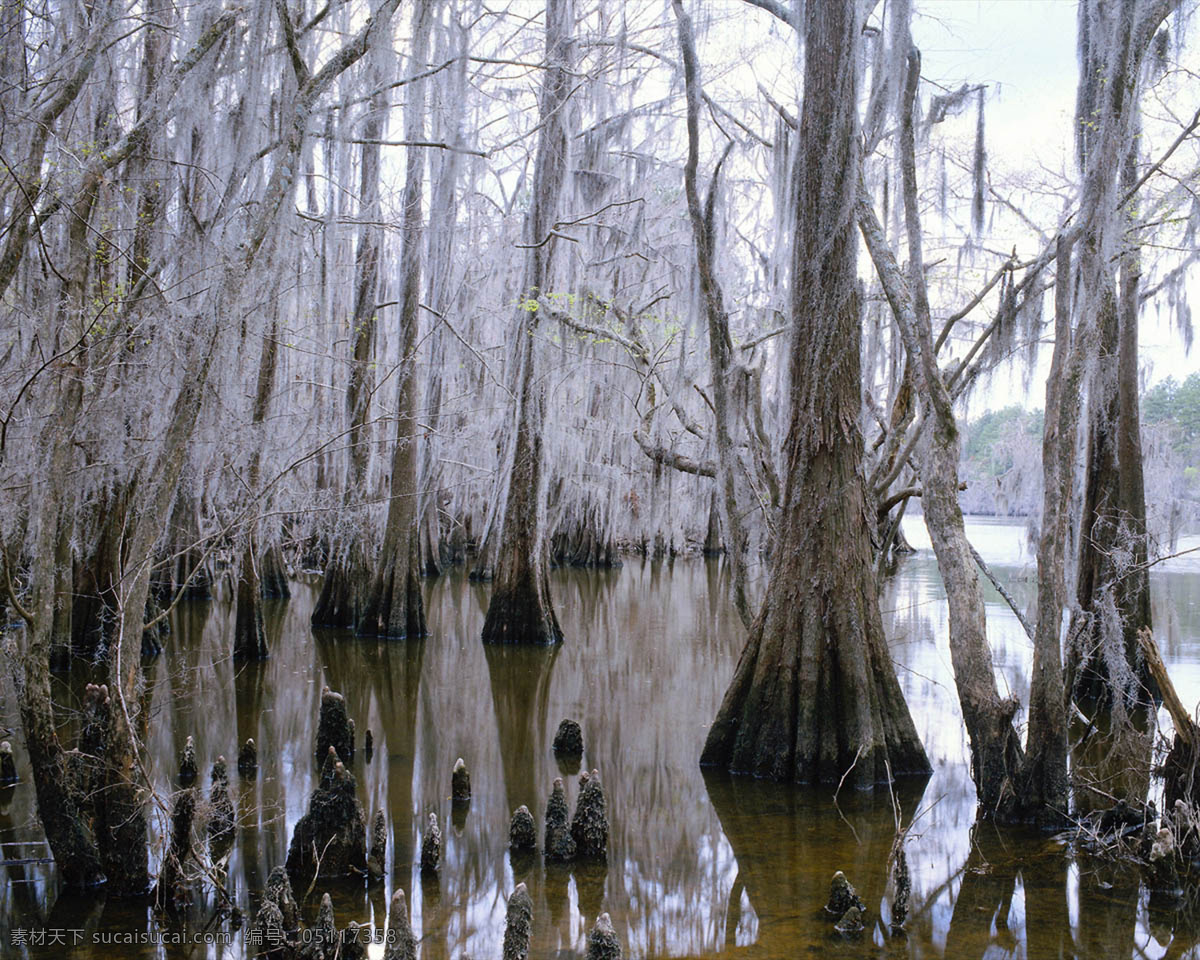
[{"x": 699, "y": 864}]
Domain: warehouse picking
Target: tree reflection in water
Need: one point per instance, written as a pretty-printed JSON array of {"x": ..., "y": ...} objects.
[{"x": 699, "y": 865}]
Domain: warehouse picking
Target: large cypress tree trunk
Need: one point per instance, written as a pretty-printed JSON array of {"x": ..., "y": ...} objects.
[
  {"x": 394, "y": 607},
  {"x": 347, "y": 573},
  {"x": 1114, "y": 584},
  {"x": 249, "y": 637},
  {"x": 59, "y": 804},
  {"x": 815, "y": 695},
  {"x": 1113, "y": 588},
  {"x": 521, "y": 610}
]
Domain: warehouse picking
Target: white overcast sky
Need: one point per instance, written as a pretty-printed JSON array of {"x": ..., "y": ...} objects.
[{"x": 1025, "y": 51}]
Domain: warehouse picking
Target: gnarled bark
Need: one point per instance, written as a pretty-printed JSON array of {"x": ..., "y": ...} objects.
[
  {"x": 1113, "y": 583},
  {"x": 348, "y": 571},
  {"x": 394, "y": 607},
  {"x": 815, "y": 694},
  {"x": 521, "y": 610}
]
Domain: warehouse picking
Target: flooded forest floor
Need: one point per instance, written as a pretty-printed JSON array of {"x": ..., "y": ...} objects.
[{"x": 698, "y": 864}]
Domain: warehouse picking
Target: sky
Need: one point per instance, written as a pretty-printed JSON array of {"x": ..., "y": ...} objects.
[{"x": 1025, "y": 51}]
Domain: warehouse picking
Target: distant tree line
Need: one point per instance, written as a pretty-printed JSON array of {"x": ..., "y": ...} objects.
[{"x": 1001, "y": 462}]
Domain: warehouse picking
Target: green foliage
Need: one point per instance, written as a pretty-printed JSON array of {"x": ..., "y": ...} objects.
[
  {"x": 598, "y": 313},
  {"x": 990, "y": 438},
  {"x": 1001, "y": 447},
  {"x": 1176, "y": 407},
  {"x": 1169, "y": 404}
]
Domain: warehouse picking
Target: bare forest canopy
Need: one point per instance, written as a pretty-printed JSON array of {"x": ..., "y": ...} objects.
[
  {"x": 168, "y": 227},
  {"x": 371, "y": 287}
]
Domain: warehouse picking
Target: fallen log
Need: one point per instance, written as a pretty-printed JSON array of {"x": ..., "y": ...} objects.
[{"x": 1179, "y": 770}]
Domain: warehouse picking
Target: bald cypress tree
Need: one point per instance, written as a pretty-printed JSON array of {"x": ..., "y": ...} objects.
[
  {"x": 521, "y": 610},
  {"x": 815, "y": 694}
]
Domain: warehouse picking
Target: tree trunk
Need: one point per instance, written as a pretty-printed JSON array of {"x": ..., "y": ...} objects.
[
  {"x": 348, "y": 571},
  {"x": 249, "y": 638},
  {"x": 342, "y": 598},
  {"x": 1042, "y": 787},
  {"x": 1112, "y": 589},
  {"x": 712, "y": 533},
  {"x": 58, "y": 802},
  {"x": 720, "y": 344},
  {"x": 147, "y": 172},
  {"x": 121, "y": 814},
  {"x": 521, "y": 610},
  {"x": 815, "y": 694},
  {"x": 77, "y": 851},
  {"x": 64, "y": 581},
  {"x": 273, "y": 576},
  {"x": 442, "y": 238},
  {"x": 1113, "y": 586},
  {"x": 995, "y": 746},
  {"x": 394, "y": 607},
  {"x": 182, "y": 566},
  {"x": 96, "y": 575}
]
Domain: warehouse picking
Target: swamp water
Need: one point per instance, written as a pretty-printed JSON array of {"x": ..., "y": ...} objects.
[{"x": 699, "y": 864}]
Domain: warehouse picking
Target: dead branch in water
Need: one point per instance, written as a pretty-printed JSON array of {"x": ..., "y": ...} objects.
[{"x": 1185, "y": 726}]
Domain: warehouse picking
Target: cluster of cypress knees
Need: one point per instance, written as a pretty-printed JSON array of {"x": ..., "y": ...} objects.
[{"x": 330, "y": 842}]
